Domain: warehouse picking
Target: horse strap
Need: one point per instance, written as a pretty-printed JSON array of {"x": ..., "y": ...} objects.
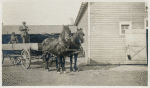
[
  {"x": 61, "y": 45},
  {"x": 76, "y": 45},
  {"x": 54, "y": 46}
]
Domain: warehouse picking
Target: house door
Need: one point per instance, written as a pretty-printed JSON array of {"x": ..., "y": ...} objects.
[{"x": 136, "y": 43}]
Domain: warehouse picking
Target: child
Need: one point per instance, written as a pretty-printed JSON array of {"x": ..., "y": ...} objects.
[{"x": 13, "y": 39}]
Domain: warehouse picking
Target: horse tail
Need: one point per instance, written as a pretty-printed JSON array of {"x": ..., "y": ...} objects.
[{"x": 44, "y": 43}]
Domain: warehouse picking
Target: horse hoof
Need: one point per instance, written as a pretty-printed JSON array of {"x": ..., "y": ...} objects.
[
  {"x": 64, "y": 72},
  {"x": 47, "y": 70},
  {"x": 71, "y": 70},
  {"x": 76, "y": 70},
  {"x": 58, "y": 72},
  {"x": 45, "y": 67}
]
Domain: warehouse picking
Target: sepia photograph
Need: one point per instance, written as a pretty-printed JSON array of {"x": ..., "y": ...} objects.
[{"x": 74, "y": 43}]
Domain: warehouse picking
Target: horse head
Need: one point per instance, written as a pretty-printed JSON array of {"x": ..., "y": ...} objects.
[
  {"x": 80, "y": 35},
  {"x": 66, "y": 35}
]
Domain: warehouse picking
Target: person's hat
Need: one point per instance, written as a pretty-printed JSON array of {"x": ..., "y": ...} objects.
[
  {"x": 13, "y": 32},
  {"x": 24, "y": 22}
]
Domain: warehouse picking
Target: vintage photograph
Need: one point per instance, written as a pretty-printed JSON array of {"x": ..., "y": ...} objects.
[{"x": 74, "y": 43}]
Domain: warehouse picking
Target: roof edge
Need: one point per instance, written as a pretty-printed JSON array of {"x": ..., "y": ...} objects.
[{"x": 80, "y": 13}]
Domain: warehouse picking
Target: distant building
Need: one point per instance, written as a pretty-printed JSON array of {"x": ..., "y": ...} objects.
[{"x": 37, "y": 33}]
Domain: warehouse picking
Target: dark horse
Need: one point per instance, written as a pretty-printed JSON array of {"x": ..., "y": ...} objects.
[
  {"x": 57, "y": 47},
  {"x": 76, "y": 41}
]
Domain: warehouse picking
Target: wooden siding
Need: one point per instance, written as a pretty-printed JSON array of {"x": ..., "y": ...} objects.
[
  {"x": 107, "y": 46},
  {"x": 83, "y": 23}
]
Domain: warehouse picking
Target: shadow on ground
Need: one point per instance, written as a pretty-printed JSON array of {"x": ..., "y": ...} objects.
[{"x": 81, "y": 66}]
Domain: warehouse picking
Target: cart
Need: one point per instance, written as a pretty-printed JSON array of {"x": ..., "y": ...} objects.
[{"x": 28, "y": 52}]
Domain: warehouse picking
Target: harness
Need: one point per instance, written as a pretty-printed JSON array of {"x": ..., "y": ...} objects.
[{"x": 59, "y": 43}]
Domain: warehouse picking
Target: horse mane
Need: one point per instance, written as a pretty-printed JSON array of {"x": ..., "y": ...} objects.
[
  {"x": 65, "y": 28},
  {"x": 77, "y": 32}
]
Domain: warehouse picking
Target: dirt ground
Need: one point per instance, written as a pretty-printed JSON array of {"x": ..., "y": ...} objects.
[{"x": 106, "y": 75}]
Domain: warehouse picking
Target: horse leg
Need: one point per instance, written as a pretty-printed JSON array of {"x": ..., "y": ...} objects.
[
  {"x": 46, "y": 64},
  {"x": 46, "y": 61},
  {"x": 71, "y": 69},
  {"x": 44, "y": 57},
  {"x": 58, "y": 69},
  {"x": 63, "y": 64},
  {"x": 75, "y": 62},
  {"x": 50, "y": 60},
  {"x": 56, "y": 62}
]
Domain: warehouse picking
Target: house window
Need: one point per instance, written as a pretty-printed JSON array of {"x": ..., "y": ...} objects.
[
  {"x": 146, "y": 23},
  {"x": 124, "y": 26}
]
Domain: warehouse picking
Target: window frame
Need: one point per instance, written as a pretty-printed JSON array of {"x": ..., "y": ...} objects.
[
  {"x": 124, "y": 23},
  {"x": 146, "y": 5},
  {"x": 145, "y": 23}
]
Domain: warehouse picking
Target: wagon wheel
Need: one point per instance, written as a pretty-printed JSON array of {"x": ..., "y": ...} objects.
[
  {"x": 26, "y": 58},
  {"x": 18, "y": 60},
  {"x": 50, "y": 61},
  {"x": 2, "y": 56},
  {"x": 83, "y": 53},
  {"x": 13, "y": 60}
]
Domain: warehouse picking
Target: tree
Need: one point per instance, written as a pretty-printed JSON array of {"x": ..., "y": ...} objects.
[{"x": 71, "y": 21}]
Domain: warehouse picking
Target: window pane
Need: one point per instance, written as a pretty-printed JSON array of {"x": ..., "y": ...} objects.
[
  {"x": 123, "y": 31},
  {"x": 123, "y": 27}
]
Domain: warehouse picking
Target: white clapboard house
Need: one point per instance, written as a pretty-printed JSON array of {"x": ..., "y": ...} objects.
[{"x": 115, "y": 32}]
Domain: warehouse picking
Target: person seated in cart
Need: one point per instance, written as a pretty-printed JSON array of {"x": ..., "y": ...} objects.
[
  {"x": 24, "y": 32},
  {"x": 13, "y": 39}
]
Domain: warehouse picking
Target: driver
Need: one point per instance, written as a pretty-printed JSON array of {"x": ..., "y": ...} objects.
[{"x": 24, "y": 30}]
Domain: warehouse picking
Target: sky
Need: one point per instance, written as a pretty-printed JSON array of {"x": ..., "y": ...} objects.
[{"x": 39, "y": 13}]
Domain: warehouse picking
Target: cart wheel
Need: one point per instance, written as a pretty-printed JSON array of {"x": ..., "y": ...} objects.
[
  {"x": 83, "y": 53},
  {"x": 26, "y": 58},
  {"x": 18, "y": 60},
  {"x": 2, "y": 56},
  {"x": 13, "y": 60},
  {"x": 50, "y": 62}
]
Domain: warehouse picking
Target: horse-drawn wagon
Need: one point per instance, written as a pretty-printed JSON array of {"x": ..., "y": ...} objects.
[
  {"x": 55, "y": 47},
  {"x": 26, "y": 53}
]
